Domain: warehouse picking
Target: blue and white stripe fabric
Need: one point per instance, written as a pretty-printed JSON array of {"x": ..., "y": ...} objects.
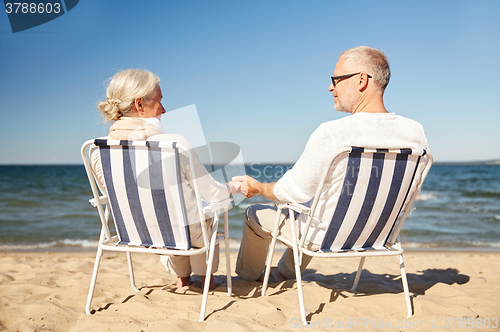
[
  {"x": 144, "y": 186},
  {"x": 375, "y": 188}
]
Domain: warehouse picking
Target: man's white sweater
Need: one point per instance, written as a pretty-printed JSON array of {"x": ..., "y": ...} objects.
[{"x": 369, "y": 130}]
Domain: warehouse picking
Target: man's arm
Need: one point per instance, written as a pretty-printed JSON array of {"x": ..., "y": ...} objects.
[{"x": 251, "y": 187}]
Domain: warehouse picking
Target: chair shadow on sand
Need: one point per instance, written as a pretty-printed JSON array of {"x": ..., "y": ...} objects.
[
  {"x": 370, "y": 283},
  {"x": 340, "y": 285},
  {"x": 194, "y": 289}
]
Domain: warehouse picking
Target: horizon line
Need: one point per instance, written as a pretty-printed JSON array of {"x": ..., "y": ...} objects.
[{"x": 477, "y": 162}]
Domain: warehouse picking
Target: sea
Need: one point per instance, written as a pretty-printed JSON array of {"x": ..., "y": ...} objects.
[{"x": 46, "y": 208}]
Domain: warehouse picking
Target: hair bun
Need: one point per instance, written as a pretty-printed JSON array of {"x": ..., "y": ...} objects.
[{"x": 113, "y": 101}]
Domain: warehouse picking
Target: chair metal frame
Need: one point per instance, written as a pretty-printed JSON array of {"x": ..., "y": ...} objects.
[
  {"x": 392, "y": 247},
  {"x": 109, "y": 242}
]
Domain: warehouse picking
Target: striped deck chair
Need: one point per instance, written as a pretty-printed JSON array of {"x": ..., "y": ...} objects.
[
  {"x": 379, "y": 188},
  {"x": 143, "y": 191}
]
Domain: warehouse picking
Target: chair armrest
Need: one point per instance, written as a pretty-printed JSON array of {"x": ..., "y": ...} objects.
[
  {"x": 103, "y": 199},
  {"x": 214, "y": 207},
  {"x": 295, "y": 207}
]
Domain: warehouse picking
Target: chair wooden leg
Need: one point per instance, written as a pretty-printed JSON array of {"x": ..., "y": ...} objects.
[
  {"x": 358, "y": 274},
  {"x": 271, "y": 253},
  {"x": 228, "y": 257},
  {"x": 93, "y": 280},
  {"x": 131, "y": 272},
  {"x": 406, "y": 289}
]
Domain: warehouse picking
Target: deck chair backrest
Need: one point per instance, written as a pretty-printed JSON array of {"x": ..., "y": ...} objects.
[
  {"x": 376, "y": 187},
  {"x": 144, "y": 189}
]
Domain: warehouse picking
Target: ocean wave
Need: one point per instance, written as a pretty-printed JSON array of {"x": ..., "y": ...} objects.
[
  {"x": 495, "y": 220},
  {"x": 452, "y": 245},
  {"x": 48, "y": 245},
  {"x": 418, "y": 245},
  {"x": 427, "y": 196},
  {"x": 483, "y": 244},
  {"x": 234, "y": 245}
]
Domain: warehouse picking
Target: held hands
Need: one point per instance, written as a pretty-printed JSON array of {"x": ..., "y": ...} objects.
[
  {"x": 248, "y": 186},
  {"x": 235, "y": 187}
]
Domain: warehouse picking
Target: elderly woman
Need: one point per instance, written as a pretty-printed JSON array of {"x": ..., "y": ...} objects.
[{"x": 133, "y": 102}]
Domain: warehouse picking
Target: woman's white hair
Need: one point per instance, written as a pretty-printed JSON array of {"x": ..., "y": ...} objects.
[
  {"x": 371, "y": 61},
  {"x": 124, "y": 88}
]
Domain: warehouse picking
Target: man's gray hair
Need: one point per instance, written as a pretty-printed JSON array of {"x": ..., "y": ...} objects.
[{"x": 370, "y": 60}]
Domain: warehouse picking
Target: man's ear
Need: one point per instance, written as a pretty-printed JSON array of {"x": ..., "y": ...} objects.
[{"x": 363, "y": 82}]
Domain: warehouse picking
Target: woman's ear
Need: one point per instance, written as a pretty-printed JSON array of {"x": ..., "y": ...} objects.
[{"x": 138, "y": 105}]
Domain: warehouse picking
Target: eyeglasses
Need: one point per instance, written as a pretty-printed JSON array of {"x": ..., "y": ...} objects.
[{"x": 336, "y": 79}]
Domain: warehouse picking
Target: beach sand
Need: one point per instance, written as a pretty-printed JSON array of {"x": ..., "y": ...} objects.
[{"x": 47, "y": 292}]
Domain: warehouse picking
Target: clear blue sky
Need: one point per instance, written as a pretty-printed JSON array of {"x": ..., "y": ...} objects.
[{"x": 257, "y": 71}]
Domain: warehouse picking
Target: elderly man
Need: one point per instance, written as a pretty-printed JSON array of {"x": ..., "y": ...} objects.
[{"x": 360, "y": 78}]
